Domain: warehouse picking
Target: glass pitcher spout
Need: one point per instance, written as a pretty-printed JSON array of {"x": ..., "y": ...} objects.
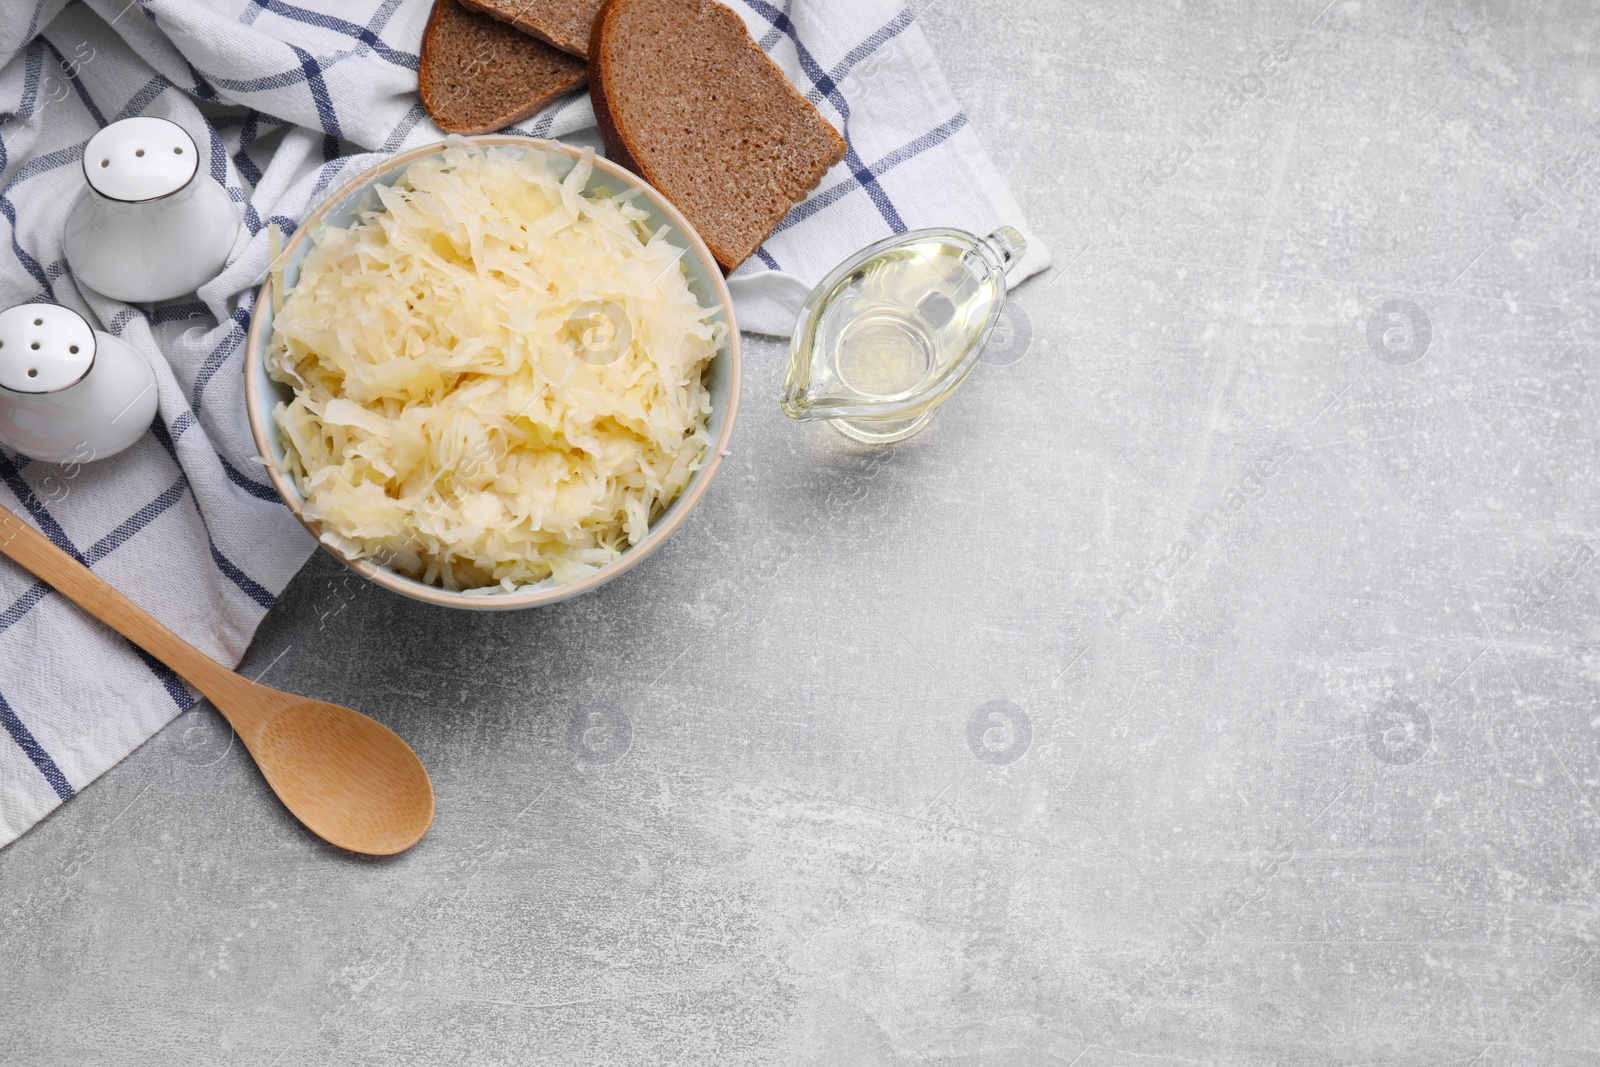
[{"x": 891, "y": 333}]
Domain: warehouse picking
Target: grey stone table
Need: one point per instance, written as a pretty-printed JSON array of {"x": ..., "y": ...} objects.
[{"x": 1215, "y": 682}]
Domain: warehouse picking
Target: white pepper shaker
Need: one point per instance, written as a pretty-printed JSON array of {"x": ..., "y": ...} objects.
[
  {"x": 69, "y": 392},
  {"x": 150, "y": 225}
]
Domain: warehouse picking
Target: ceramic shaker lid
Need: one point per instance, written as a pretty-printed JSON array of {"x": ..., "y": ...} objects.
[
  {"x": 43, "y": 348},
  {"x": 140, "y": 159}
]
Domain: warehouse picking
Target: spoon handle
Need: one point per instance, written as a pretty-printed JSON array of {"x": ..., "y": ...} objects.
[{"x": 38, "y": 554}]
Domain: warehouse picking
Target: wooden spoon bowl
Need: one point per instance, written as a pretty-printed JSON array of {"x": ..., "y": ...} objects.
[{"x": 350, "y": 779}]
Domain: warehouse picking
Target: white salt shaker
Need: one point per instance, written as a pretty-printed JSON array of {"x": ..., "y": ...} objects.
[
  {"x": 69, "y": 392},
  {"x": 150, "y": 225}
]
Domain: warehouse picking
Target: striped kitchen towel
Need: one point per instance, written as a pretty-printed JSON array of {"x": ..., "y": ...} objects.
[{"x": 288, "y": 100}]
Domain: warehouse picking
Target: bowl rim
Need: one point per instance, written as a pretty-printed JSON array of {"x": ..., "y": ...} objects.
[{"x": 255, "y": 349}]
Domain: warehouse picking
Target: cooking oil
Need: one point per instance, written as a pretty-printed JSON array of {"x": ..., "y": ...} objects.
[{"x": 891, "y": 333}]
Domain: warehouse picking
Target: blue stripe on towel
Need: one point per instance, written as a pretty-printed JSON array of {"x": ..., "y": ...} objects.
[
  {"x": 176, "y": 687},
  {"x": 364, "y": 34},
  {"x": 143, "y": 98},
  {"x": 319, "y": 96},
  {"x": 77, "y": 86},
  {"x": 833, "y": 195},
  {"x": 32, "y": 67},
  {"x": 827, "y": 87},
  {"x": 254, "y": 488},
  {"x": 12, "y": 476},
  {"x": 239, "y": 325},
  {"x": 247, "y": 585},
  {"x": 41, "y": 759},
  {"x": 98, "y": 551}
]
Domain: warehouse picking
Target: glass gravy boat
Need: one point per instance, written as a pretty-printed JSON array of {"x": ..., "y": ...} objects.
[{"x": 892, "y": 331}]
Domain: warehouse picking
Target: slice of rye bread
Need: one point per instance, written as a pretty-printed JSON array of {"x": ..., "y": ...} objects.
[
  {"x": 478, "y": 74},
  {"x": 687, "y": 100},
  {"x": 563, "y": 23}
]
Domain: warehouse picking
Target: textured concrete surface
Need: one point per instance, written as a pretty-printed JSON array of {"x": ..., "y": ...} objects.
[{"x": 1214, "y": 683}]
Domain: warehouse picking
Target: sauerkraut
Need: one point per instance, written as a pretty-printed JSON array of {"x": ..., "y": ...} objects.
[{"x": 498, "y": 380}]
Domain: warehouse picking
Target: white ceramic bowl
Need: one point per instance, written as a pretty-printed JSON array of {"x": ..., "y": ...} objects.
[{"x": 262, "y": 394}]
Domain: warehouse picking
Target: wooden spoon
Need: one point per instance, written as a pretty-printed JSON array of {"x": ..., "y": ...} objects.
[{"x": 348, "y": 778}]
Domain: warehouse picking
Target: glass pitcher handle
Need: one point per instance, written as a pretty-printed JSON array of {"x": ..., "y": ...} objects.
[{"x": 1008, "y": 245}]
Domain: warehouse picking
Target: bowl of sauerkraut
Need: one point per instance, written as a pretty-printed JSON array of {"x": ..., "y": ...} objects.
[{"x": 493, "y": 373}]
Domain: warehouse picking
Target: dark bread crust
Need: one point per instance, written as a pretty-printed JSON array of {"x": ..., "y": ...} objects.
[
  {"x": 616, "y": 147},
  {"x": 565, "y": 24},
  {"x": 515, "y": 75},
  {"x": 734, "y": 224}
]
